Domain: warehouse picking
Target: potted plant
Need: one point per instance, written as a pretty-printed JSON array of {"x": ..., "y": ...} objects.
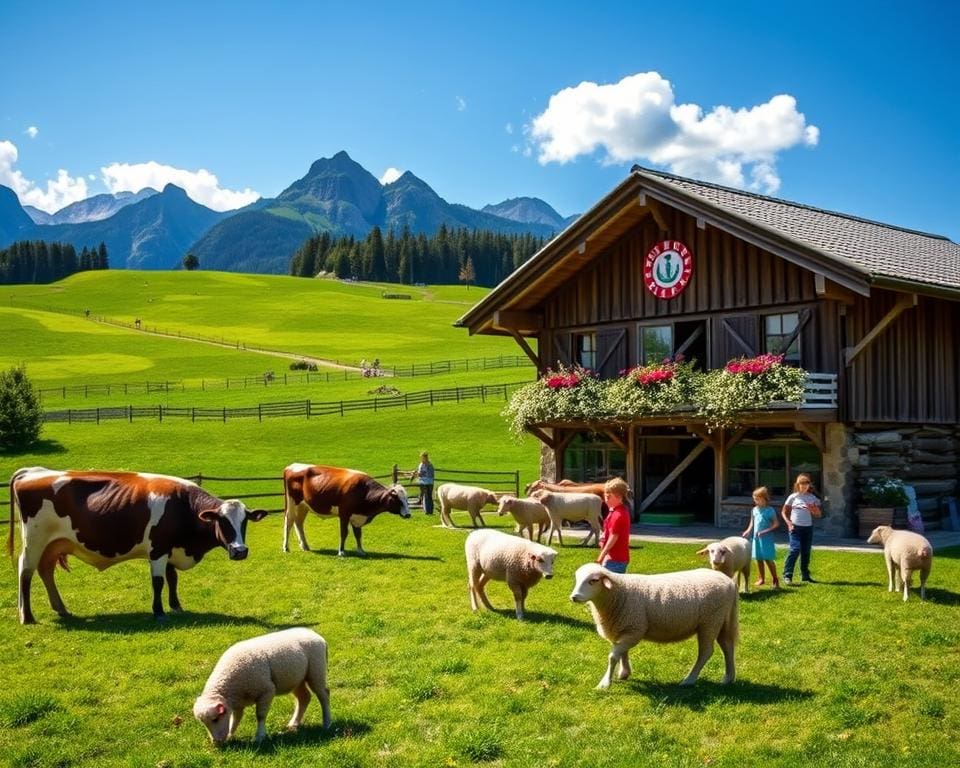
[{"x": 881, "y": 496}]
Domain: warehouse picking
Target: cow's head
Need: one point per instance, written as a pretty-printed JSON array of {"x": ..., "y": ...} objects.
[
  {"x": 215, "y": 716},
  {"x": 397, "y": 502},
  {"x": 229, "y": 522}
]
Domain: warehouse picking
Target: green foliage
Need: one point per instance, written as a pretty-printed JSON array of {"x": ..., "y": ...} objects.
[
  {"x": 42, "y": 262},
  {"x": 21, "y": 416},
  {"x": 26, "y": 708},
  {"x": 725, "y": 393},
  {"x": 190, "y": 262},
  {"x": 885, "y": 492},
  {"x": 717, "y": 396}
]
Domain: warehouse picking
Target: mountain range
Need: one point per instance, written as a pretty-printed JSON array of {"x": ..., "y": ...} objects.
[{"x": 154, "y": 230}]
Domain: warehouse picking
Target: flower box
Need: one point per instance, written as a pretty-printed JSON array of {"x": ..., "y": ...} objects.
[{"x": 871, "y": 517}]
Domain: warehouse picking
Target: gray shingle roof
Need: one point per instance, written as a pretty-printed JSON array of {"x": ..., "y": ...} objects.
[{"x": 880, "y": 249}]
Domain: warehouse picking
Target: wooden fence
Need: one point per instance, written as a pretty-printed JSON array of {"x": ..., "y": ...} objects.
[
  {"x": 261, "y": 411},
  {"x": 249, "y": 489}
]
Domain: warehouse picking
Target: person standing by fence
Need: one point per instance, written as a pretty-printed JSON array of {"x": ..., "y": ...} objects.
[{"x": 424, "y": 475}]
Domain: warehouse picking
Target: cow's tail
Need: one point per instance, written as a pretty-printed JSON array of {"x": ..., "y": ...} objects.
[{"x": 13, "y": 502}]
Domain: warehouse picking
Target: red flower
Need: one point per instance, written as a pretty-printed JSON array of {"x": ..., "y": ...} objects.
[
  {"x": 754, "y": 366},
  {"x": 647, "y": 375}
]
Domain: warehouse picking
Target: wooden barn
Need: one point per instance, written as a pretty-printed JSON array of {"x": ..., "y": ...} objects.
[{"x": 869, "y": 310}]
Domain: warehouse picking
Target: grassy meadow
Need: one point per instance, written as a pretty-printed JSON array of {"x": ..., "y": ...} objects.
[{"x": 839, "y": 673}]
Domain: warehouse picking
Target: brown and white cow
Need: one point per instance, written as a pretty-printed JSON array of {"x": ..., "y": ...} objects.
[
  {"x": 357, "y": 496},
  {"x": 104, "y": 518}
]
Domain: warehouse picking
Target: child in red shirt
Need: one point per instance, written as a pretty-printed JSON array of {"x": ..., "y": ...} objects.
[{"x": 615, "y": 539}]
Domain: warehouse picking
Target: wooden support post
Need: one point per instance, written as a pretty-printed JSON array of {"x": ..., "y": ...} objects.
[
  {"x": 542, "y": 436},
  {"x": 905, "y": 302},
  {"x": 815, "y": 432},
  {"x": 719, "y": 473},
  {"x": 527, "y": 349}
]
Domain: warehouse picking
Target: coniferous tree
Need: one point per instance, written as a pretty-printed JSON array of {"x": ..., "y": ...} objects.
[{"x": 21, "y": 417}]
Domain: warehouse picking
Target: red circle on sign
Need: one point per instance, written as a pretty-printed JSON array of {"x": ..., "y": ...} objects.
[{"x": 667, "y": 269}]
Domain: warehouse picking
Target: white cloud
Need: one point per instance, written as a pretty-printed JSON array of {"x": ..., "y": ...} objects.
[
  {"x": 91, "y": 176},
  {"x": 201, "y": 185},
  {"x": 60, "y": 192},
  {"x": 461, "y": 104},
  {"x": 637, "y": 119},
  {"x": 32, "y": 131},
  {"x": 390, "y": 175},
  {"x": 509, "y": 128}
]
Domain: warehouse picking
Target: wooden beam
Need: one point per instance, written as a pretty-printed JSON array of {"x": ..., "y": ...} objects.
[
  {"x": 704, "y": 434},
  {"x": 582, "y": 248},
  {"x": 543, "y": 437},
  {"x": 521, "y": 321},
  {"x": 657, "y": 214},
  {"x": 827, "y": 289},
  {"x": 719, "y": 474},
  {"x": 904, "y": 302},
  {"x": 735, "y": 438},
  {"x": 815, "y": 432},
  {"x": 632, "y": 461},
  {"x": 617, "y": 438},
  {"x": 527, "y": 349},
  {"x": 674, "y": 474},
  {"x": 701, "y": 224}
]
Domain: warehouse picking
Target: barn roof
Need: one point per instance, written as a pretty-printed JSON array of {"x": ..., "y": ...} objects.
[{"x": 849, "y": 250}]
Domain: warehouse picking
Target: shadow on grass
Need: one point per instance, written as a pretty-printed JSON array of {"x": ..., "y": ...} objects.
[
  {"x": 124, "y": 623},
  {"x": 352, "y": 554},
  {"x": 938, "y": 596},
  {"x": 308, "y": 733},
  {"x": 40, "y": 448},
  {"x": 535, "y": 617},
  {"x": 855, "y": 583},
  {"x": 758, "y": 595},
  {"x": 705, "y": 692}
]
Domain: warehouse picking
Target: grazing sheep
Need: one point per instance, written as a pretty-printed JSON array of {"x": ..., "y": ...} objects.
[
  {"x": 526, "y": 512},
  {"x": 664, "y": 608},
  {"x": 572, "y": 507},
  {"x": 254, "y": 671},
  {"x": 904, "y": 553},
  {"x": 732, "y": 557},
  {"x": 454, "y": 496},
  {"x": 502, "y": 557}
]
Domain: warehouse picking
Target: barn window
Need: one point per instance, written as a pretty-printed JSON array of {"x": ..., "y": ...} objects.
[
  {"x": 775, "y": 465},
  {"x": 586, "y": 350},
  {"x": 656, "y": 343},
  {"x": 782, "y": 337}
]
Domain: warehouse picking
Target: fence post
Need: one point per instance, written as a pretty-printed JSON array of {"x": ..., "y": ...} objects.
[
  {"x": 260, "y": 413},
  {"x": 193, "y": 414},
  {"x": 130, "y": 413},
  {"x": 64, "y": 393},
  {"x": 341, "y": 407},
  {"x": 224, "y": 414},
  {"x": 98, "y": 415},
  {"x": 199, "y": 478},
  {"x": 458, "y": 394},
  {"x": 516, "y": 482},
  {"x": 395, "y": 474},
  {"x": 160, "y": 412},
  {"x": 69, "y": 421},
  {"x": 483, "y": 397},
  {"x": 431, "y": 393}
]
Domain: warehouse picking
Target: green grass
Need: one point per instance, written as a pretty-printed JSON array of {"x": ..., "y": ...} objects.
[
  {"x": 322, "y": 318},
  {"x": 838, "y": 673}
]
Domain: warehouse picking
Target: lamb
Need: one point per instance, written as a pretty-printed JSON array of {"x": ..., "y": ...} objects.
[
  {"x": 502, "y": 557},
  {"x": 664, "y": 608},
  {"x": 253, "y": 671},
  {"x": 732, "y": 557},
  {"x": 526, "y": 512},
  {"x": 468, "y": 497},
  {"x": 571, "y": 507},
  {"x": 904, "y": 553}
]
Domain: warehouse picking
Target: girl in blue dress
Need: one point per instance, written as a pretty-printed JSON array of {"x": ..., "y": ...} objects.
[{"x": 763, "y": 522}]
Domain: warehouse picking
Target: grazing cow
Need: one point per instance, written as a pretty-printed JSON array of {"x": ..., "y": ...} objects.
[
  {"x": 104, "y": 518},
  {"x": 357, "y": 496}
]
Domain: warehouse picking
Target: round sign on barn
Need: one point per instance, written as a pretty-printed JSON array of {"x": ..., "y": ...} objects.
[{"x": 667, "y": 269}]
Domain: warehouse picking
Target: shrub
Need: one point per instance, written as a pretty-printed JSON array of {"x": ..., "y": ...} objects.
[
  {"x": 748, "y": 384},
  {"x": 656, "y": 388},
  {"x": 566, "y": 393},
  {"x": 885, "y": 492},
  {"x": 303, "y": 365},
  {"x": 21, "y": 417}
]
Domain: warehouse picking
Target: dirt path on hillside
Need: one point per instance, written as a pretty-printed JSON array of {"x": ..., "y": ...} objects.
[{"x": 240, "y": 347}]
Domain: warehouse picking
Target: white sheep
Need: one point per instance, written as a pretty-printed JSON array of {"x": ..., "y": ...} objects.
[
  {"x": 502, "y": 557},
  {"x": 254, "y": 671},
  {"x": 527, "y": 513},
  {"x": 664, "y": 608},
  {"x": 732, "y": 557},
  {"x": 467, "y": 497},
  {"x": 904, "y": 553},
  {"x": 571, "y": 507}
]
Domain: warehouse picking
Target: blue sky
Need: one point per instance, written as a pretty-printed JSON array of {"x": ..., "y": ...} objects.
[{"x": 822, "y": 103}]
